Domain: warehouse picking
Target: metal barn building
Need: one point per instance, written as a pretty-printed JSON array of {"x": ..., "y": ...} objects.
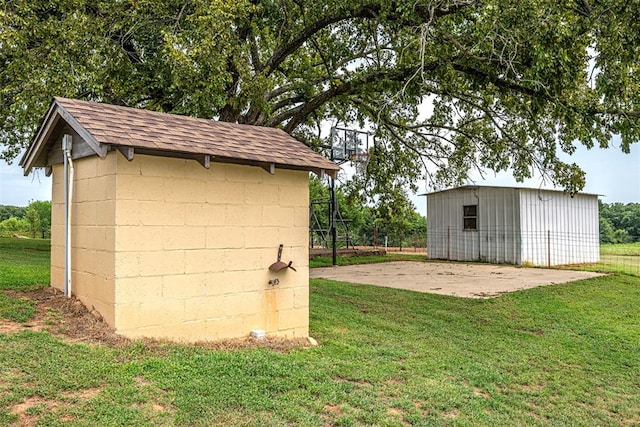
[{"x": 513, "y": 225}]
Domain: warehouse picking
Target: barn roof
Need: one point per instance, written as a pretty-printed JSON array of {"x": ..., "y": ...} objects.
[
  {"x": 105, "y": 127},
  {"x": 472, "y": 187}
]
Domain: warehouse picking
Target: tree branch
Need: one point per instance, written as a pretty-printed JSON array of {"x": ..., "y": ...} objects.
[{"x": 422, "y": 13}]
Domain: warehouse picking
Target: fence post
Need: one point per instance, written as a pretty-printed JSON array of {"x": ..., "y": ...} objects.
[{"x": 548, "y": 248}]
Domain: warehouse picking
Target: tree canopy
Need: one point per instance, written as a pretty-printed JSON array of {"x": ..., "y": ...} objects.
[
  {"x": 619, "y": 223},
  {"x": 452, "y": 85}
]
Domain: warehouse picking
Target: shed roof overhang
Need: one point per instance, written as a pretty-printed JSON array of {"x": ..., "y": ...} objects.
[{"x": 99, "y": 128}]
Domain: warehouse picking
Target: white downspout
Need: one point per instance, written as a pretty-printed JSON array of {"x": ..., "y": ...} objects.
[{"x": 68, "y": 193}]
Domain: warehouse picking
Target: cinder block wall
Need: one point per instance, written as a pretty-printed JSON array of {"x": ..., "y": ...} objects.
[
  {"x": 193, "y": 247},
  {"x": 93, "y": 233}
]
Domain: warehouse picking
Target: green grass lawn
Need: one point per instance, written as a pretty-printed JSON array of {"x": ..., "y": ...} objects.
[
  {"x": 620, "y": 249},
  {"x": 24, "y": 263},
  {"x": 617, "y": 258},
  {"x": 374, "y": 259},
  {"x": 555, "y": 355}
]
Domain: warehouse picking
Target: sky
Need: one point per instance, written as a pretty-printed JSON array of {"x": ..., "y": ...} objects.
[{"x": 610, "y": 173}]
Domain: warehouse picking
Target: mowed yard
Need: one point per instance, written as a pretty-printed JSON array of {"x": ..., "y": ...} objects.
[{"x": 560, "y": 355}]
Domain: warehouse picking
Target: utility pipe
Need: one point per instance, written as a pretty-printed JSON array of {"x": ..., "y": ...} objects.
[{"x": 68, "y": 197}]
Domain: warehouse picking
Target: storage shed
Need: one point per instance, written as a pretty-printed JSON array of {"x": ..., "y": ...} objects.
[
  {"x": 174, "y": 221},
  {"x": 512, "y": 225}
]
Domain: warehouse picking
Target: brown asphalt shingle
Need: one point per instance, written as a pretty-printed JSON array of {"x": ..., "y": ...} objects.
[{"x": 131, "y": 127}]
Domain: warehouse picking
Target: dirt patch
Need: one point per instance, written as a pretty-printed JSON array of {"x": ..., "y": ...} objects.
[
  {"x": 65, "y": 318},
  {"x": 31, "y": 408},
  {"x": 459, "y": 279},
  {"x": 480, "y": 393},
  {"x": 68, "y": 319}
]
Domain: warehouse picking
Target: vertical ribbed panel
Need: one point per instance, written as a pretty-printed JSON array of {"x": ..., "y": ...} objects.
[
  {"x": 559, "y": 229},
  {"x": 539, "y": 227}
]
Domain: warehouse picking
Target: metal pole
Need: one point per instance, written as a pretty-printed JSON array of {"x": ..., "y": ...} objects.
[
  {"x": 332, "y": 189},
  {"x": 548, "y": 248}
]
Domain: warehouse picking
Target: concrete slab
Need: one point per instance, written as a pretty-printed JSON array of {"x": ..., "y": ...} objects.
[{"x": 459, "y": 279}]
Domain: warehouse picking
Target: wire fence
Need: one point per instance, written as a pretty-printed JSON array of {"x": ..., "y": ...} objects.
[{"x": 546, "y": 248}]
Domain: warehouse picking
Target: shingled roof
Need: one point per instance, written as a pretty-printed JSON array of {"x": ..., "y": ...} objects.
[{"x": 105, "y": 127}]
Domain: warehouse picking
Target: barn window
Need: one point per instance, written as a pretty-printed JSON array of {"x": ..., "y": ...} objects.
[{"x": 470, "y": 217}]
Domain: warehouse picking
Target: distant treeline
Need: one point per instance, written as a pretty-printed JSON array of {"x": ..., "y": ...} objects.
[
  {"x": 619, "y": 222},
  {"x": 33, "y": 220}
]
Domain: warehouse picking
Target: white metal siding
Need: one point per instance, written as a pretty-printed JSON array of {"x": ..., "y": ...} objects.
[
  {"x": 557, "y": 228},
  {"x": 446, "y": 238},
  {"x": 498, "y": 229},
  {"x": 496, "y": 238},
  {"x": 538, "y": 227}
]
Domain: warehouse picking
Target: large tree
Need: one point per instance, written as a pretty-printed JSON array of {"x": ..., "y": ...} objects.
[{"x": 450, "y": 84}]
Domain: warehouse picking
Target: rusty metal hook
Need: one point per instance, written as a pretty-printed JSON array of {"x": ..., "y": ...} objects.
[{"x": 279, "y": 265}]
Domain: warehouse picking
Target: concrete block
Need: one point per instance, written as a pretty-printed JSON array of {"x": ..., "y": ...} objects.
[
  {"x": 274, "y": 217},
  {"x": 296, "y": 318},
  {"x": 293, "y": 196},
  {"x": 139, "y": 238},
  {"x": 57, "y": 277},
  {"x": 204, "y": 261},
  {"x": 185, "y": 190},
  {"x": 261, "y": 237},
  {"x": 137, "y": 187},
  {"x": 182, "y": 237},
  {"x": 57, "y": 254},
  {"x": 84, "y": 213},
  {"x": 285, "y": 298},
  {"x": 227, "y": 327},
  {"x": 132, "y": 290},
  {"x": 225, "y": 193},
  {"x": 106, "y": 165},
  {"x": 85, "y": 167},
  {"x": 162, "y": 166},
  {"x": 163, "y": 312},
  {"x": 126, "y": 167},
  {"x": 226, "y": 282},
  {"x": 237, "y": 215},
  {"x": 288, "y": 177},
  {"x": 242, "y": 303},
  {"x": 301, "y": 217},
  {"x": 103, "y": 263},
  {"x": 301, "y": 296},
  {"x": 127, "y": 317},
  {"x": 242, "y": 173},
  {"x": 160, "y": 213},
  {"x": 246, "y": 259},
  {"x": 185, "y": 286},
  {"x": 225, "y": 237},
  {"x": 261, "y": 194},
  {"x": 293, "y": 237},
  {"x": 81, "y": 189},
  {"x": 127, "y": 212},
  {"x": 162, "y": 263},
  {"x": 186, "y": 331},
  {"x": 127, "y": 264},
  {"x": 204, "y": 308},
  {"x": 205, "y": 214},
  {"x": 194, "y": 170},
  {"x": 57, "y": 234},
  {"x": 96, "y": 189},
  {"x": 105, "y": 212}
]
